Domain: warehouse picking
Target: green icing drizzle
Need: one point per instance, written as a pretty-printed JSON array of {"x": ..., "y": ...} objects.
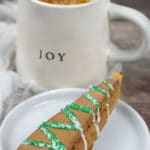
[
  {"x": 108, "y": 84},
  {"x": 101, "y": 90},
  {"x": 71, "y": 115},
  {"x": 75, "y": 125},
  {"x": 38, "y": 144},
  {"x": 92, "y": 99},
  {"x": 57, "y": 145},
  {"x": 81, "y": 108},
  {"x": 72, "y": 118},
  {"x": 59, "y": 125},
  {"x": 51, "y": 136}
]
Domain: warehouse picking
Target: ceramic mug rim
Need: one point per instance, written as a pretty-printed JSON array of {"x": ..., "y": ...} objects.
[{"x": 49, "y": 5}]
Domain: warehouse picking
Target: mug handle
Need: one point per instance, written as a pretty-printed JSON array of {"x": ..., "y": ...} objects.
[{"x": 122, "y": 12}]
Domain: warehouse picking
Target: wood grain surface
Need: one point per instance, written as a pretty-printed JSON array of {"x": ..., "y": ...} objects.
[{"x": 137, "y": 81}]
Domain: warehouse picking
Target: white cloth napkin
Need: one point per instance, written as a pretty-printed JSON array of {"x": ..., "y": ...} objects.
[{"x": 13, "y": 87}]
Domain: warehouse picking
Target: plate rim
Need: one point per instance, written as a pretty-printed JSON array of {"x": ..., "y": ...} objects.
[{"x": 47, "y": 93}]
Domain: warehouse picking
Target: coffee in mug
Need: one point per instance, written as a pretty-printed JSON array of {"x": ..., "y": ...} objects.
[{"x": 65, "y": 2}]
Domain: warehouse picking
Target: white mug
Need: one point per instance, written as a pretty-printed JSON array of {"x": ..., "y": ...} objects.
[{"x": 68, "y": 45}]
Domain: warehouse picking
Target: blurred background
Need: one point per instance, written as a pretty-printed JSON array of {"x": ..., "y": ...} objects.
[
  {"x": 142, "y": 5},
  {"x": 123, "y": 33},
  {"x": 137, "y": 85}
]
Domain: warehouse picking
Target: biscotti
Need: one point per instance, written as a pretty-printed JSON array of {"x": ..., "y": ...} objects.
[{"x": 78, "y": 125}]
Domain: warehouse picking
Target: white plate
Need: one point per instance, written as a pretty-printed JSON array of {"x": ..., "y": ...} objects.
[{"x": 125, "y": 130}]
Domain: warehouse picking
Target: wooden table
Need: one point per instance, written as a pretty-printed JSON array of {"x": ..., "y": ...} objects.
[
  {"x": 137, "y": 94},
  {"x": 137, "y": 74}
]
